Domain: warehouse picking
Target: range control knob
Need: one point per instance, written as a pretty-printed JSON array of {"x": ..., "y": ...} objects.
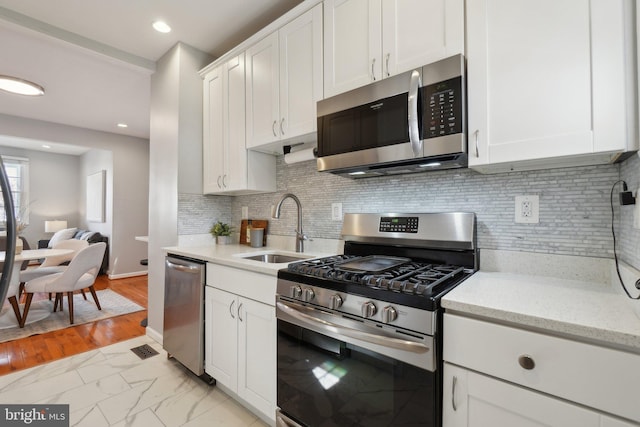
[
  {"x": 368, "y": 309},
  {"x": 296, "y": 291},
  {"x": 389, "y": 314},
  {"x": 335, "y": 301},
  {"x": 308, "y": 295}
]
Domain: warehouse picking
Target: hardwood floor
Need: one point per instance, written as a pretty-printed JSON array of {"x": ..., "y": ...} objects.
[{"x": 37, "y": 349}]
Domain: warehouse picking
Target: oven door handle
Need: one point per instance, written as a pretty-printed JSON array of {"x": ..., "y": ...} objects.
[{"x": 321, "y": 325}]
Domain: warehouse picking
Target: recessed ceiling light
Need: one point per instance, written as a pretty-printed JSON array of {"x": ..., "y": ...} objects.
[
  {"x": 46, "y": 146},
  {"x": 161, "y": 27},
  {"x": 122, "y": 125},
  {"x": 20, "y": 86}
]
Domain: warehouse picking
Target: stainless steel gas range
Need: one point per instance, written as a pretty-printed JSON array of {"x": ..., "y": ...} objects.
[{"x": 360, "y": 334}]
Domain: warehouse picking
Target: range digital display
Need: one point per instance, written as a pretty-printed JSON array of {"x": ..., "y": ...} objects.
[{"x": 399, "y": 224}]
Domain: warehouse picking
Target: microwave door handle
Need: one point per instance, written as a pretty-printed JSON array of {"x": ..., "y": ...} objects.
[{"x": 414, "y": 131}]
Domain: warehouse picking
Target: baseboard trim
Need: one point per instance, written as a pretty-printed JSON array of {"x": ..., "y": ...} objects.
[
  {"x": 154, "y": 335},
  {"x": 125, "y": 275}
]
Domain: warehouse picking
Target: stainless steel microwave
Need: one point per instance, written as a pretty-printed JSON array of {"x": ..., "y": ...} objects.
[{"x": 412, "y": 122}]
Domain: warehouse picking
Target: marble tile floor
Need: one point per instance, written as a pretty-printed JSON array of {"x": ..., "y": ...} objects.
[{"x": 111, "y": 386}]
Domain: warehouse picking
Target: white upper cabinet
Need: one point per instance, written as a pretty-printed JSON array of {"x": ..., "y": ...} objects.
[
  {"x": 227, "y": 166},
  {"x": 367, "y": 40},
  {"x": 549, "y": 83},
  {"x": 284, "y": 82}
]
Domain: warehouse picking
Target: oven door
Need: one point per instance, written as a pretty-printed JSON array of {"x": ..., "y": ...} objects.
[{"x": 333, "y": 371}]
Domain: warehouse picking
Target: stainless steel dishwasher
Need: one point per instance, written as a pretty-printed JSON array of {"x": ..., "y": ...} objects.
[{"x": 183, "y": 334}]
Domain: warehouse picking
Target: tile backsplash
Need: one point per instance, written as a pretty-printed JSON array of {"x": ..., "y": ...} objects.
[{"x": 575, "y": 212}]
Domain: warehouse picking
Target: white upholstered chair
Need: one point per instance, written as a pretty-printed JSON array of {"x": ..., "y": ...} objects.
[
  {"x": 80, "y": 274},
  {"x": 12, "y": 296},
  {"x": 53, "y": 264}
]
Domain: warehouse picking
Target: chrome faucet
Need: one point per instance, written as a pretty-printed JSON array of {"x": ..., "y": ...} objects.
[{"x": 300, "y": 236}]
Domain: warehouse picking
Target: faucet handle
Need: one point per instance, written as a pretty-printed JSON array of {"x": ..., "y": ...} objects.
[{"x": 303, "y": 236}]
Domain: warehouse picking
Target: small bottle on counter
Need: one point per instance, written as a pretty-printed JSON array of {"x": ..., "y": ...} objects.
[{"x": 248, "y": 232}]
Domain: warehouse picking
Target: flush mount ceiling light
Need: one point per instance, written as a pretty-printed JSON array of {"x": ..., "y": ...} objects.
[
  {"x": 122, "y": 125},
  {"x": 161, "y": 27},
  {"x": 20, "y": 86}
]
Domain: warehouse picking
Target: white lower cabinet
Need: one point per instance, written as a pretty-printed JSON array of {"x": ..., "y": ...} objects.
[
  {"x": 499, "y": 375},
  {"x": 240, "y": 347},
  {"x": 472, "y": 399}
]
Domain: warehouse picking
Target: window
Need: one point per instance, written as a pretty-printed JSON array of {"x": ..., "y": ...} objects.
[{"x": 18, "y": 173}]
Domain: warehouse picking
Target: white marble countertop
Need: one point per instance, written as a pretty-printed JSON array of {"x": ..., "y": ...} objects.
[
  {"x": 588, "y": 309},
  {"x": 232, "y": 256}
]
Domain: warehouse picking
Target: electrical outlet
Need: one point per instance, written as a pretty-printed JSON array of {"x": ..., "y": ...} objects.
[
  {"x": 245, "y": 212},
  {"x": 336, "y": 211},
  {"x": 527, "y": 209}
]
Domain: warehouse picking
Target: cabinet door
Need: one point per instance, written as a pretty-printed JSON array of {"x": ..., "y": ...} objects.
[
  {"x": 418, "y": 32},
  {"x": 235, "y": 176},
  {"x": 546, "y": 79},
  {"x": 221, "y": 337},
  {"x": 477, "y": 400},
  {"x": 213, "y": 146},
  {"x": 352, "y": 44},
  {"x": 257, "y": 355},
  {"x": 607, "y": 421},
  {"x": 263, "y": 117},
  {"x": 300, "y": 73}
]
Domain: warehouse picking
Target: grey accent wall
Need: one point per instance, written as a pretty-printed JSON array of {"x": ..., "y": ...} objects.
[
  {"x": 575, "y": 212},
  {"x": 50, "y": 198},
  {"x": 130, "y": 182}
]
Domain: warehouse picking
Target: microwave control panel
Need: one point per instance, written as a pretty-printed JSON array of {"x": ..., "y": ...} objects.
[
  {"x": 442, "y": 108},
  {"x": 397, "y": 224}
]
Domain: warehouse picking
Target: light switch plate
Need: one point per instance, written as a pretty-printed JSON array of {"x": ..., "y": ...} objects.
[{"x": 336, "y": 211}]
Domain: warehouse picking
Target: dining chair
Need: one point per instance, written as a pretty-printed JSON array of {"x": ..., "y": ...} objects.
[
  {"x": 53, "y": 264},
  {"x": 81, "y": 273},
  {"x": 12, "y": 297}
]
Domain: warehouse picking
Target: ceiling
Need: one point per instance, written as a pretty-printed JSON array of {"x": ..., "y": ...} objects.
[{"x": 95, "y": 58}]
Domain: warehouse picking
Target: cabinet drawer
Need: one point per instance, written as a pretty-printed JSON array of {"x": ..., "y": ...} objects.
[
  {"x": 588, "y": 374},
  {"x": 249, "y": 284}
]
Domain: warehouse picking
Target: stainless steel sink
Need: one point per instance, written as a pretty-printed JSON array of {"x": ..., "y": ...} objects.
[{"x": 276, "y": 258}]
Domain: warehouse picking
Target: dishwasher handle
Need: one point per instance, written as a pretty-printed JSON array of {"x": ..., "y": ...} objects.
[{"x": 195, "y": 269}]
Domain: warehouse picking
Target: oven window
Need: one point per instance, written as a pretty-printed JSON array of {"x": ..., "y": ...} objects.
[{"x": 326, "y": 382}]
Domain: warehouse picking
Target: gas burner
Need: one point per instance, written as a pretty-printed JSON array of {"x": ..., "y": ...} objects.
[{"x": 410, "y": 278}]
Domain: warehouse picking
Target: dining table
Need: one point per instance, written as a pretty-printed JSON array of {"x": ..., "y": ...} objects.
[{"x": 7, "y": 317}]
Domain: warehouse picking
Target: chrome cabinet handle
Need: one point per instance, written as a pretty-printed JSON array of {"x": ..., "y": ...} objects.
[
  {"x": 476, "y": 134},
  {"x": 231, "y": 309},
  {"x": 387, "y": 64},
  {"x": 240, "y": 312},
  {"x": 218, "y": 181},
  {"x": 414, "y": 132},
  {"x": 273, "y": 128},
  {"x": 373, "y": 73},
  {"x": 281, "y": 126},
  {"x": 526, "y": 362},
  {"x": 453, "y": 393},
  {"x": 224, "y": 180}
]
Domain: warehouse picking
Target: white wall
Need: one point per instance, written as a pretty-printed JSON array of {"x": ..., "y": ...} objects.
[
  {"x": 53, "y": 190},
  {"x": 176, "y": 138},
  {"x": 130, "y": 182}
]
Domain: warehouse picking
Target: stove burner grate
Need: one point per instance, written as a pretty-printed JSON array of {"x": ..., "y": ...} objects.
[{"x": 411, "y": 278}]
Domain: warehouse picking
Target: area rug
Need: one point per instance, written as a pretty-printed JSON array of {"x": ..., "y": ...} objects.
[{"x": 44, "y": 320}]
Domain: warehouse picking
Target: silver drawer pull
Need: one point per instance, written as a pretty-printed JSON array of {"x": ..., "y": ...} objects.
[
  {"x": 453, "y": 393},
  {"x": 526, "y": 362}
]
